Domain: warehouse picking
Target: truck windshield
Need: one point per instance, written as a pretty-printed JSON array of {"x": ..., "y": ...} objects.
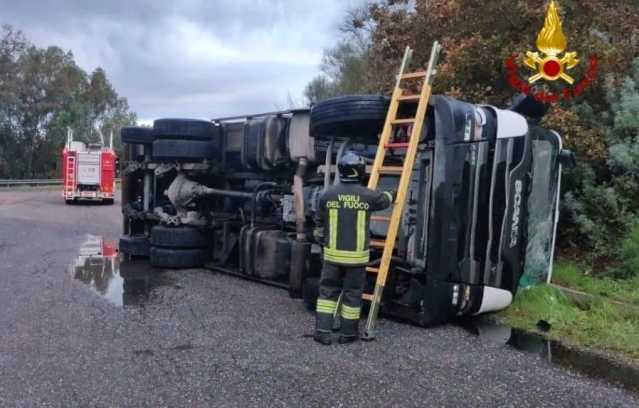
[{"x": 542, "y": 205}]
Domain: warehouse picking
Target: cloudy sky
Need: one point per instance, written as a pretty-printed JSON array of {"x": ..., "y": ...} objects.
[{"x": 190, "y": 58}]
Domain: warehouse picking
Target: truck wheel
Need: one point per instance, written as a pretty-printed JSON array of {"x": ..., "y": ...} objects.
[
  {"x": 137, "y": 135},
  {"x": 183, "y": 149},
  {"x": 186, "y": 129},
  {"x": 178, "y": 237},
  {"x": 178, "y": 258},
  {"x": 310, "y": 292},
  {"x": 108, "y": 201},
  {"x": 136, "y": 245},
  {"x": 358, "y": 117}
]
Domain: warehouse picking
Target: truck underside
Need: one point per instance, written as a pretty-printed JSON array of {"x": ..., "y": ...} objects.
[{"x": 239, "y": 195}]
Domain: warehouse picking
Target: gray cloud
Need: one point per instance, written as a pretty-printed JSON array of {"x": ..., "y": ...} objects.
[{"x": 192, "y": 58}]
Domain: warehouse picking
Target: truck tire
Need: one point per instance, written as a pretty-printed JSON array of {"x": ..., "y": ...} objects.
[
  {"x": 108, "y": 201},
  {"x": 135, "y": 245},
  {"x": 137, "y": 135},
  {"x": 186, "y": 129},
  {"x": 178, "y": 237},
  {"x": 178, "y": 258},
  {"x": 358, "y": 117},
  {"x": 183, "y": 149}
]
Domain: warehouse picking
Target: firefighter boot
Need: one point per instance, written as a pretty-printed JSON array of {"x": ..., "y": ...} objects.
[
  {"x": 350, "y": 324},
  {"x": 347, "y": 339},
  {"x": 324, "y": 321},
  {"x": 349, "y": 332},
  {"x": 323, "y": 338},
  {"x": 321, "y": 335}
]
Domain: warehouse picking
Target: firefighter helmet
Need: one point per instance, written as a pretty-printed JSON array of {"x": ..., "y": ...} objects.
[{"x": 351, "y": 167}]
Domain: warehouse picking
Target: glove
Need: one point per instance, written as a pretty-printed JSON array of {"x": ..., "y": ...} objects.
[
  {"x": 393, "y": 194},
  {"x": 318, "y": 234}
]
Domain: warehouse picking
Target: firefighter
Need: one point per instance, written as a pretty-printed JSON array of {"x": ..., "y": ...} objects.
[{"x": 343, "y": 228}]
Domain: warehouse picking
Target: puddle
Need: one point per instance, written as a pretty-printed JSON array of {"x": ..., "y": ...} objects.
[
  {"x": 583, "y": 362},
  {"x": 112, "y": 276}
]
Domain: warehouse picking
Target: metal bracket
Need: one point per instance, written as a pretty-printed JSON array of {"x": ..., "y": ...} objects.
[
  {"x": 133, "y": 166},
  {"x": 164, "y": 168}
]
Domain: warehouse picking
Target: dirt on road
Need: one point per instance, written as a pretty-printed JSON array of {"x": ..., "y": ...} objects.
[{"x": 205, "y": 339}]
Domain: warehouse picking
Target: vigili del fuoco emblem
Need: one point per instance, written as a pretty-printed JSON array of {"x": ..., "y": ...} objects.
[
  {"x": 551, "y": 62},
  {"x": 551, "y": 41}
]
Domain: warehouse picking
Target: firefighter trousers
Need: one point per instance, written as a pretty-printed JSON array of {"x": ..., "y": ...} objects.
[{"x": 349, "y": 281}]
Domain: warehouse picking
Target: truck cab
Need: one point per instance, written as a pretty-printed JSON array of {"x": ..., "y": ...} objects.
[{"x": 484, "y": 212}]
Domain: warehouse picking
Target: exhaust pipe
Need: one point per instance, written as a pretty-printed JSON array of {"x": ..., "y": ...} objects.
[
  {"x": 298, "y": 199},
  {"x": 300, "y": 249}
]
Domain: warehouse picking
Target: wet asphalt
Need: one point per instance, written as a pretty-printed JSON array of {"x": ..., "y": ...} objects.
[{"x": 205, "y": 339}]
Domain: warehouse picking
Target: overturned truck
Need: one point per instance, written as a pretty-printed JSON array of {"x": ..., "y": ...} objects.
[{"x": 239, "y": 195}]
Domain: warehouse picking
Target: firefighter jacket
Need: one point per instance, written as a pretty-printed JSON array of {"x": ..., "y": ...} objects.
[{"x": 345, "y": 213}]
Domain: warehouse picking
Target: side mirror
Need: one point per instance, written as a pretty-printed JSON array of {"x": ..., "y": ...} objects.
[
  {"x": 567, "y": 158},
  {"x": 528, "y": 106}
]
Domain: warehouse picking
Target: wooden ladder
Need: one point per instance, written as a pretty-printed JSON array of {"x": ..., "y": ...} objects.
[{"x": 414, "y": 126}]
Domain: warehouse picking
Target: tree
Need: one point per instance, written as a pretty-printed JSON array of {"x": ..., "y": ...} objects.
[
  {"x": 42, "y": 92},
  {"x": 319, "y": 89},
  {"x": 345, "y": 67},
  {"x": 12, "y": 44}
]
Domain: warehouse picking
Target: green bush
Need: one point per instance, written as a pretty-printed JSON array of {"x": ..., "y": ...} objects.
[
  {"x": 595, "y": 218},
  {"x": 601, "y": 197}
]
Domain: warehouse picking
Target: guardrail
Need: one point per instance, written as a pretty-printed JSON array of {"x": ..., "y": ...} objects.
[
  {"x": 30, "y": 182},
  {"x": 34, "y": 182}
]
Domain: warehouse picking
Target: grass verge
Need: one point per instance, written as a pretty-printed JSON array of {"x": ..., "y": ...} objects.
[
  {"x": 571, "y": 275},
  {"x": 596, "y": 323}
]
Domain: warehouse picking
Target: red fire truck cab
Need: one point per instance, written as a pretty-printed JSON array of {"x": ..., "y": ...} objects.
[{"x": 88, "y": 171}]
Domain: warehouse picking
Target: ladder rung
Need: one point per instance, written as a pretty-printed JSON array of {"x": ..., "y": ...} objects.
[
  {"x": 381, "y": 218},
  {"x": 413, "y": 75},
  {"x": 372, "y": 270},
  {"x": 377, "y": 243},
  {"x": 396, "y": 146},
  {"x": 409, "y": 98},
  {"x": 403, "y": 121},
  {"x": 391, "y": 170},
  {"x": 367, "y": 296}
]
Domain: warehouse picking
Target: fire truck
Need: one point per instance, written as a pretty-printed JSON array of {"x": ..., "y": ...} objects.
[{"x": 88, "y": 171}]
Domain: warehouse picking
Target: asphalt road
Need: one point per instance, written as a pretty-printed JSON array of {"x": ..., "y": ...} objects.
[{"x": 205, "y": 339}]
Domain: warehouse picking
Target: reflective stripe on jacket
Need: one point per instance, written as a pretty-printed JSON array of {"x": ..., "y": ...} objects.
[{"x": 345, "y": 212}]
